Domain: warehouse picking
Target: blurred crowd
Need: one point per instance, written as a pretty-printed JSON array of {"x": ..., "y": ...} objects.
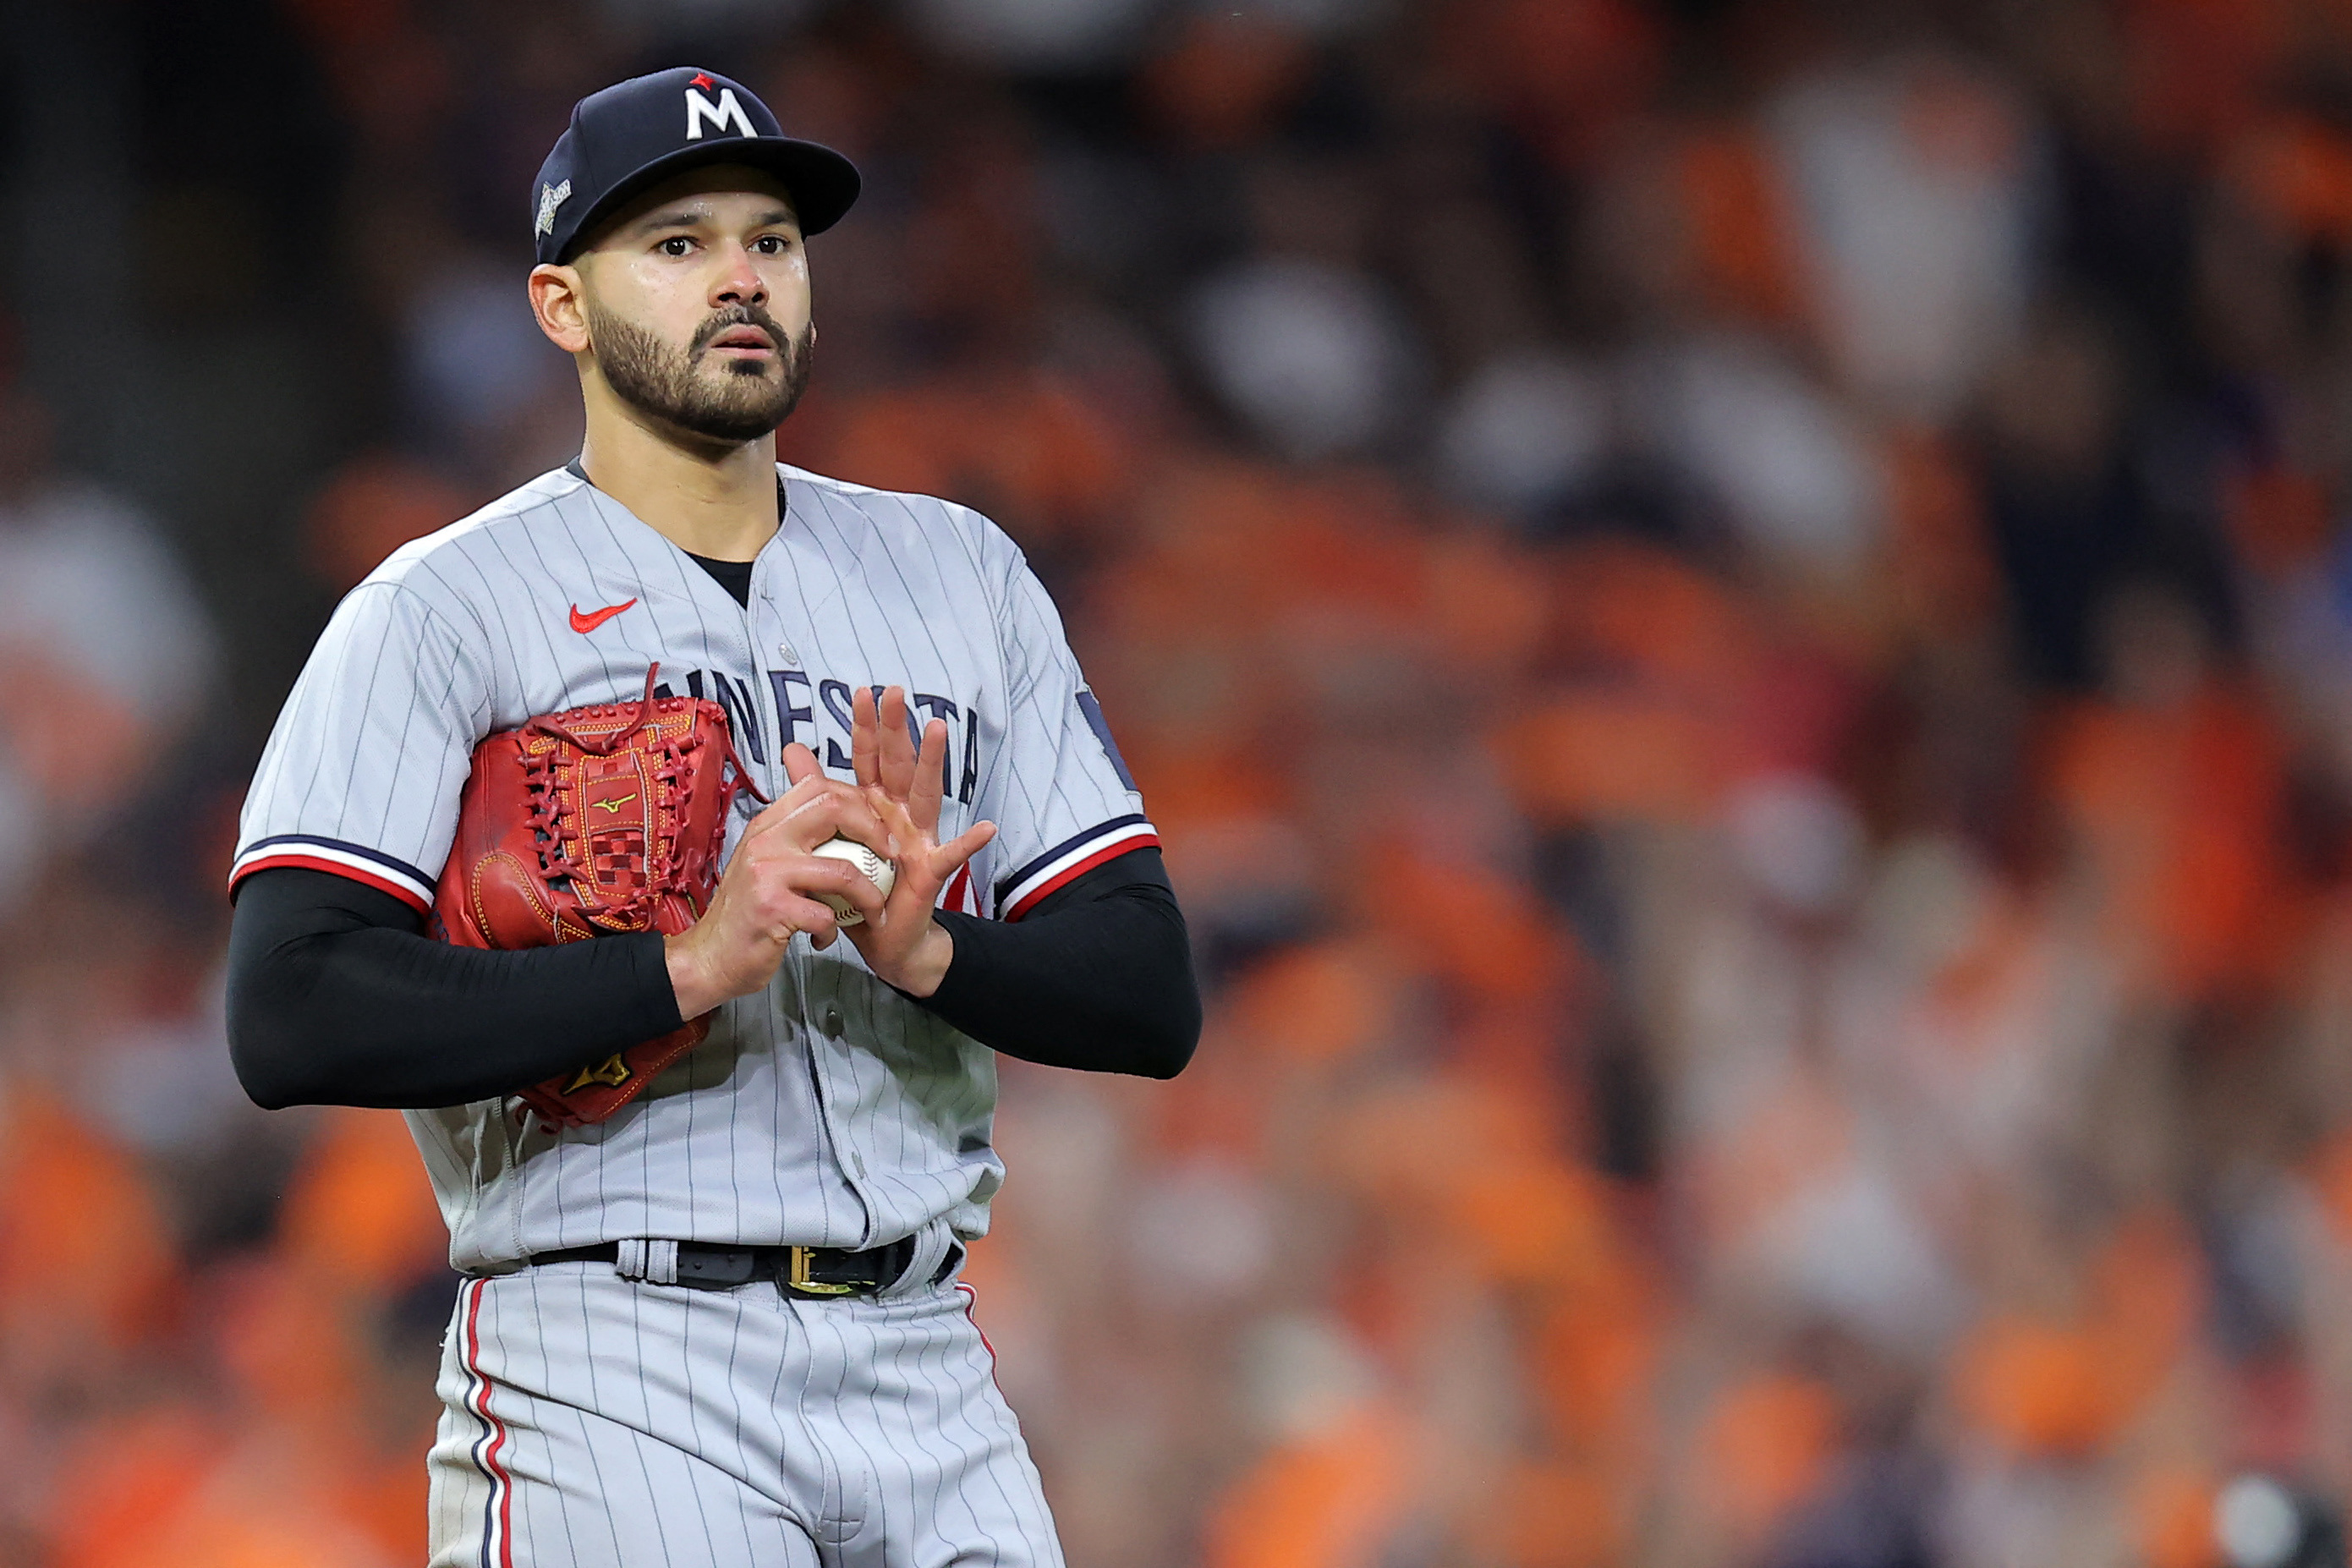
[{"x": 1735, "y": 617}]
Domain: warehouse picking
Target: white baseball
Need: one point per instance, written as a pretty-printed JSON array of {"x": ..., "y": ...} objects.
[{"x": 882, "y": 873}]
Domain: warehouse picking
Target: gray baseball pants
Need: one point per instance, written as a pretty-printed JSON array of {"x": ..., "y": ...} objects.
[{"x": 590, "y": 1421}]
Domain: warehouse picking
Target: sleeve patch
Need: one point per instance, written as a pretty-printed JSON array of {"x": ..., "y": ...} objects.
[{"x": 1102, "y": 727}]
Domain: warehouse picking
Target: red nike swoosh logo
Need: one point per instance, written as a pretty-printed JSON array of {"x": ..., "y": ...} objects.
[{"x": 595, "y": 618}]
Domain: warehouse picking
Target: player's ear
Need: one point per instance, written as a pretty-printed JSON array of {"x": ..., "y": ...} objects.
[{"x": 557, "y": 300}]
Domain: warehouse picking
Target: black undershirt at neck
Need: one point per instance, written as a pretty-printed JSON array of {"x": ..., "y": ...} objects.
[{"x": 735, "y": 576}]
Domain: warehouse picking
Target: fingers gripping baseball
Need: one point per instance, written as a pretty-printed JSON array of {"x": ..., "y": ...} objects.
[
  {"x": 904, "y": 784},
  {"x": 769, "y": 891}
]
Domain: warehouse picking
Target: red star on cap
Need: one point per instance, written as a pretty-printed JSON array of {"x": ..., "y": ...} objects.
[{"x": 702, "y": 80}]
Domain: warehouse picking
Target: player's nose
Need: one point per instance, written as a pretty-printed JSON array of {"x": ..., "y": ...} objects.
[{"x": 740, "y": 282}]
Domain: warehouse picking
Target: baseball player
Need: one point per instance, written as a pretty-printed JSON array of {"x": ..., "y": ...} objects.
[{"x": 721, "y": 1326}]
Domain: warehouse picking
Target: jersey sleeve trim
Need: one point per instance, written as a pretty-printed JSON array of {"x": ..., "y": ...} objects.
[
  {"x": 1019, "y": 893},
  {"x": 361, "y": 864}
]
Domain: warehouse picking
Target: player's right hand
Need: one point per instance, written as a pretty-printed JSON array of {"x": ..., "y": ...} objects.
[{"x": 765, "y": 895}]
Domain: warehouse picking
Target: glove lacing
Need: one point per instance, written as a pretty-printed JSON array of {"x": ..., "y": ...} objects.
[{"x": 663, "y": 817}]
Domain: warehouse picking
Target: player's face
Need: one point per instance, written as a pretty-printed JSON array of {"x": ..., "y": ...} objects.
[{"x": 697, "y": 305}]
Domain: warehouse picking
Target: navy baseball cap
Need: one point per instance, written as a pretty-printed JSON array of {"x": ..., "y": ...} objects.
[{"x": 636, "y": 133}]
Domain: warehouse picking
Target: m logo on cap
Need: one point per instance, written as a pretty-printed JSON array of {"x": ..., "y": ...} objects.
[{"x": 720, "y": 115}]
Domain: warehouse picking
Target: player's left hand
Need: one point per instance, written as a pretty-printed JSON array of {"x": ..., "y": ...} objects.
[{"x": 906, "y": 785}]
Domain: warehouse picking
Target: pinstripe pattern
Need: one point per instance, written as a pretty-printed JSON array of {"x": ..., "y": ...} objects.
[
  {"x": 652, "y": 1426},
  {"x": 587, "y": 1419},
  {"x": 828, "y": 1109}
]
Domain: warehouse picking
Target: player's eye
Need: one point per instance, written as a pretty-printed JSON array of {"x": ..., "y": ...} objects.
[
  {"x": 772, "y": 243},
  {"x": 675, "y": 244}
]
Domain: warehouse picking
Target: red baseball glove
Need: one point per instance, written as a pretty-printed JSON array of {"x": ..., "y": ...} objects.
[{"x": 595, "y": 820}]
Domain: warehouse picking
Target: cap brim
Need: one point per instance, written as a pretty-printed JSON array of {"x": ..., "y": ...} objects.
[{"x": 823, "y": 184}]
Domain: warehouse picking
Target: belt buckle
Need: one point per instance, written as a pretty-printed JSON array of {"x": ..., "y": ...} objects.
[{"x": 796, "y": 1275}]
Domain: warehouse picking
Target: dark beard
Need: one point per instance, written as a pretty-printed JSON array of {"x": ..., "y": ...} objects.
[{"x": 741, "y": 404}]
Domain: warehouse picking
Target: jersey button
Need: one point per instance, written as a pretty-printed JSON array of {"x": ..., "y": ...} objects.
[
  {"x": 830, "y": 1020},
  {"x": 788, "y": 653}
]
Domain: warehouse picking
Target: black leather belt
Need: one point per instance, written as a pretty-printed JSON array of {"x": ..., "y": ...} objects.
[{"x": 814, "y": 1271}]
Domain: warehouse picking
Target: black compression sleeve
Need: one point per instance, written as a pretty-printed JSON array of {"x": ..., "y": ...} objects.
[
  {"x": 1098, "y": 976},
  {"x": 335, "y": 998}
]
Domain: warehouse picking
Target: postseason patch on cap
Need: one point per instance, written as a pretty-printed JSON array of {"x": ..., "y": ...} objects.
[{"x": 550, "y": 197}]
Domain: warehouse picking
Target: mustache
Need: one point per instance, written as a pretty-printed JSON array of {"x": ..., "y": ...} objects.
[{"x": 738, "y": 316}]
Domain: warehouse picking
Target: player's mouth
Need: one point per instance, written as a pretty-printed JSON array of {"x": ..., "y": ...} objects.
[{"x": 743, "y": 343}]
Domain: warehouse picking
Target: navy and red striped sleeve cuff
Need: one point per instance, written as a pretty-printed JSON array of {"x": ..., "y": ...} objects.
[
  {"x": 370, "y": 867},
  {"x": 1066, "y": 862}
]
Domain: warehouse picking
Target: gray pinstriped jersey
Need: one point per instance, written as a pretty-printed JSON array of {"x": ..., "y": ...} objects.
[{"x": 828, "y": 1109}]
